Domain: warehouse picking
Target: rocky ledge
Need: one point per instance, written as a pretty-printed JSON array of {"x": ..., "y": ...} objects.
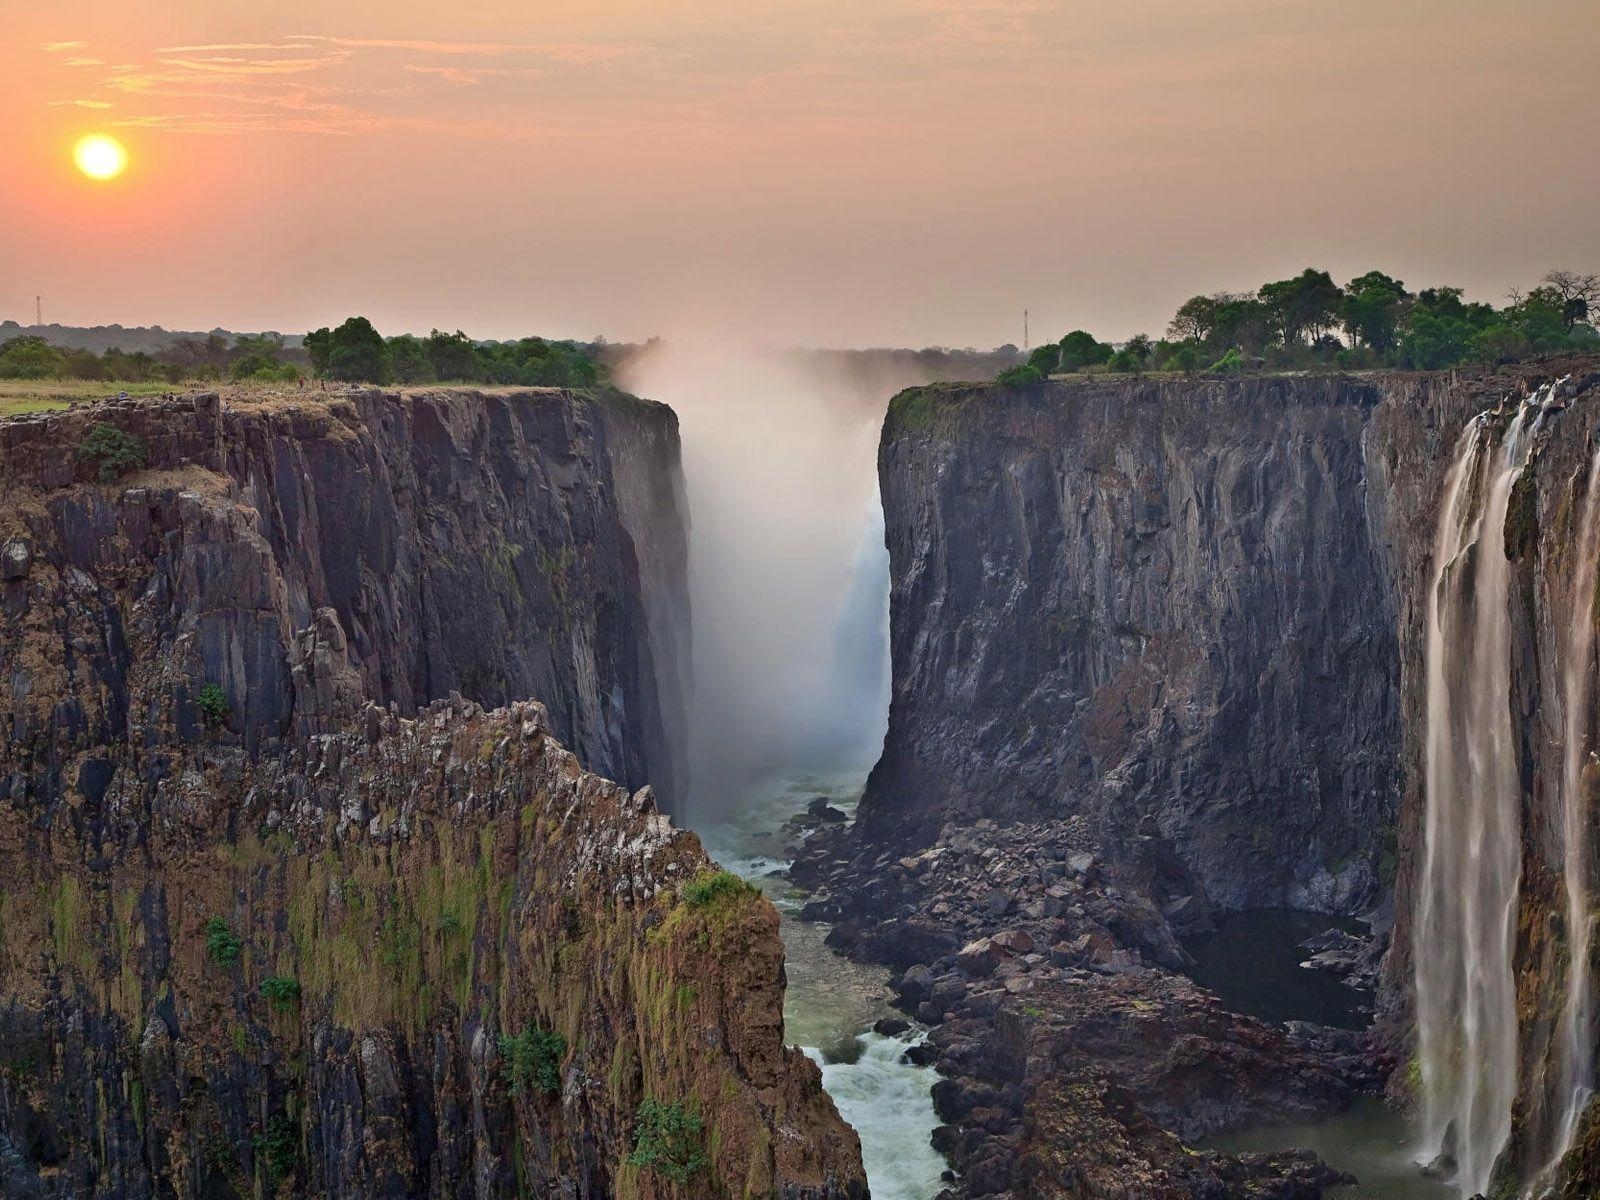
[{"x": 1075, "y": 1059}]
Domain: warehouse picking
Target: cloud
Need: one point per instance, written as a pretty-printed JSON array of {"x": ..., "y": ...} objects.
[
  {"x": 62, "y": 47},
  {"x": 573, "y": 52},
  {"x": 471, "y": 76},
  {"x": 79, "y": 104},
  {"x": 255, "y": 66}
]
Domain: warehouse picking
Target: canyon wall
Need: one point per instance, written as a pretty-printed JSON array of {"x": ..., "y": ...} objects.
[
  {"x": 1179, "y": 630},
  {"x": 283, "y": 909}
]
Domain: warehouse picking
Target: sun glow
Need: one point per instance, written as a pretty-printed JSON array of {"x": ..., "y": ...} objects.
[{"x": 99, "y": 156}]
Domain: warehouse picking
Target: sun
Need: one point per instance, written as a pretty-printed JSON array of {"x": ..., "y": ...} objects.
[{"x": 99, "y": 156}]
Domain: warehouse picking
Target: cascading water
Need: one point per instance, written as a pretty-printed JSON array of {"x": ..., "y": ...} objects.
[
  {"x": 1575, "y": 1044},
  {"x": 1466, "y": 994}
]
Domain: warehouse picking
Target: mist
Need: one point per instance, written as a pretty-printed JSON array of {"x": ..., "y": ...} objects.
[{"x": 788, "y": 575}]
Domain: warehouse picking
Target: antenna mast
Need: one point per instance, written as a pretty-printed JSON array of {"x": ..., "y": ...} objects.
[
  {"x": 38, "y": 311},
  {"x": 1024, "y": 331}
]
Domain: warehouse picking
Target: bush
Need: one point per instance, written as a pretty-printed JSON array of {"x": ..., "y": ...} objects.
[
  {"x": 1230, "y": 363},
  {"x": 532, "y": 1058},
  {"x": 280, "y": 991},
  {"x": 279, "y": 1149},
  {"x": 113, "y": 450},
  {"x": 222, "y": 947},
  {"x": 1019, "y": 377},
  {"x": 668, "y": 1139},
  {"x": 213, "y": 705},
  {"x": 710, "y": 886}
]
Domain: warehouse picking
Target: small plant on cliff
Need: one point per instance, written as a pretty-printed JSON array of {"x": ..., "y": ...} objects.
[
  {"x": 112, "y": 450},
  {"x": 711, "y": 886},
  {"x": 278, "y": 1149},
  {"x": 280, "y": 991},
  {"x": 532, "y": 1059},
  {"x": 222, "y": 947},
  {"x": 668, "y": 1138},
  {"x": 213, "y": 704},
  {"x": 1021, "y": 376}
]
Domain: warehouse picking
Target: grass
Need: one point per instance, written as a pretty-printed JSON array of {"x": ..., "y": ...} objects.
[{"x": 20, "y": 396}]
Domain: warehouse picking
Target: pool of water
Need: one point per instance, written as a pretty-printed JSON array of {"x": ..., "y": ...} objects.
[
  {"x": 832, "y": 1003},
  {"x": 1370, "y": 1141},
  {"x": 1252, "y": 961}
]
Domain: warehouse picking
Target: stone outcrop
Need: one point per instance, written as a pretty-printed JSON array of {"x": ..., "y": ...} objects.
[{"x": 283, "y": 909}]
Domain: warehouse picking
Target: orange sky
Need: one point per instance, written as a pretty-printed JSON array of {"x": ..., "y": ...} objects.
[{"x": 838, "y": 171}]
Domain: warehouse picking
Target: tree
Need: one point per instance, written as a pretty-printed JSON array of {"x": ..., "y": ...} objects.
[
  {"x": 354, "y": 352},
  {"x": 1046, "y": 358},
  {"x": 1197, "y": 317},
  {"x": 1307, "y": 304},
  {"x": 1578, "y": 294},
  {"x": 1020, "y": 376},
  {"x": 31, "y": 357},
  {"x": 1242, "y": 323},
  {"x": 1079, "y": 349},
  {"x": 410, "y": 361},
  {"x": 1370, "y": 310},
  {"x": 1134, "y": 355},
  {"x": 453, "y": 356}
]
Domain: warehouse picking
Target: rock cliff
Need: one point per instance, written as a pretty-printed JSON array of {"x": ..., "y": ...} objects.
[
  {"x": 1159, "y": 648},
  {"x": 503, "y": 545},
  {"x": 283, "y": 909}
]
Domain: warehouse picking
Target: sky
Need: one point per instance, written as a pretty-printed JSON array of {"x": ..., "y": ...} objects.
[{"x": 840, "y": 172}]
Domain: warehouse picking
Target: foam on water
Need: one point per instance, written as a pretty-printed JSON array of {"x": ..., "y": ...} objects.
[{"x": 889, "y": 1103}]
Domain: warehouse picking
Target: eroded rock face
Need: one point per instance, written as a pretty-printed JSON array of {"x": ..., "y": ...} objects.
[
  {"x": 273, "y": 890},
  {"x": 1159, "y": 650},
  {"x": 1162, "y": 600},
  {"x": 502, "y": 545}
]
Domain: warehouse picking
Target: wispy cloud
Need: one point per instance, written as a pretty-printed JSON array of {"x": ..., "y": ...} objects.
[
  {"x": 573, "y": 52},
  {"x": 255, "y": 66},
  {"x": 63, "y": 47},
  {"x": 86, "y": 103},
  {"x": 472, "y": 76}
]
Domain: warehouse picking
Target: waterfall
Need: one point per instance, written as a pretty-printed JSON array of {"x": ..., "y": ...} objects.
[
  {"x": 1466, "y": 995},
  {"x": 1575, "y": 1045}
]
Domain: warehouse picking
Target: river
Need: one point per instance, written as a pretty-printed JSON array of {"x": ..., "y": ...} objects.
[{"x": 832, "y": 1003}]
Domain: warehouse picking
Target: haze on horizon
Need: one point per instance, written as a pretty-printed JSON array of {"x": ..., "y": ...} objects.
[{"x": 823, "y": 171}]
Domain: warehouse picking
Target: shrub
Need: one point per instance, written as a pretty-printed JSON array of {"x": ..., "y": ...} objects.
[
  {"x": 115, "y": 451},
  {"x": 279, "y": 1149},
  {"x": 1019, "y": 376},
  {"x": 280, "y": 991},
  {"x": 1230, "y": 363},
  {"x": 222, "y": 947},
  {"x": 532, "y": 1058},
  {"x": 213, "y": 704},
  {"x": 710, "y": 886},
  {"x": 668, "y": 1139}
]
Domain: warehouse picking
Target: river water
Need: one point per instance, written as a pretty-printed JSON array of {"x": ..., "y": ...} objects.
[{"x": 832, "y": 1003}]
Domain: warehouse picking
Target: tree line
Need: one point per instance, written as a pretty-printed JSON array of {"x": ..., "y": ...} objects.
[
  {"x": 352, "y": 352},
  {"x": 247, "y": 356},
  {"x": 1310, "y": 322},
  {"x": 356, "y": 352}
]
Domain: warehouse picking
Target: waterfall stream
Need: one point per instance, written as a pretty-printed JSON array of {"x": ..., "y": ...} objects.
[
  {"x": 1575, "y": 1044},
  {"x": 1466, "y": 994}
]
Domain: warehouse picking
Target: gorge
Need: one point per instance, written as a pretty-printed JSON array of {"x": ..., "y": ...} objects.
[{"x": 1158, "y": 653}]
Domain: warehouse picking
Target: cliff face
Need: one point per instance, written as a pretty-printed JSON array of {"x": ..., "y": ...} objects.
[
  {"x": 1160, "y": 603},
  {"x": 275, "y": 918},
  {"x": 1176, "y": 634},
  {"x": 501, "y": 545}
]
